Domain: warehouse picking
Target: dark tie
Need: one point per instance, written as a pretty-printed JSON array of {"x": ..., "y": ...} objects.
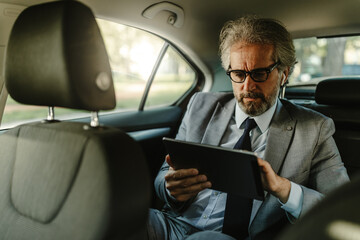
[{"x": 238, "y": 208}]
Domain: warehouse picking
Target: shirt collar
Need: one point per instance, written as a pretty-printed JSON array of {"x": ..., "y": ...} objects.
[{"x": 263, "y": 120}]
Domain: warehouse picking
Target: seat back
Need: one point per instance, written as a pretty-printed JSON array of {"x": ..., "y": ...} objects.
[
  {"x": 335, "y": 217},
  {"x": 339, "y": 99},
  {"x": 67, "y": 180}
]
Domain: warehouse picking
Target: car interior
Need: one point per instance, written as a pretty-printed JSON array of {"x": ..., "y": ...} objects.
[
  {"x": 53, "y": 171},
  {"x": 89, "y": 88}
]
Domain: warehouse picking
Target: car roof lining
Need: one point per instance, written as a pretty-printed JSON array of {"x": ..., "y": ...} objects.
[{"x": 198, "y": 38}]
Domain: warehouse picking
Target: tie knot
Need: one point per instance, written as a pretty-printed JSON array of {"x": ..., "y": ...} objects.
[{"x": 249, "y": 124}]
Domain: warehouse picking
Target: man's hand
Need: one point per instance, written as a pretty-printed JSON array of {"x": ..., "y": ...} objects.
[
  {"x": 184, "y": 184},
  {"x": 273, "y": 183}
]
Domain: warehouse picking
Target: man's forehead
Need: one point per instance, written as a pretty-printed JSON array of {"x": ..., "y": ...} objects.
[
  {"x": 243, "y": 45},
  {"x": 251, "y": 55}
]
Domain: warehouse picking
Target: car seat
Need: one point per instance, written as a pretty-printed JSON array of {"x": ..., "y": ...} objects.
[{"x": 67, "y": 180}]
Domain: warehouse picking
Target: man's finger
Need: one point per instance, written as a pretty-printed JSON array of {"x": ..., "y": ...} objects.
[
  {"x": 180, "y": 174},
  {"x": 185, "y": 197},
  {"x": 193, "y": 189},
  {"x": 186, "y": 182},
  {"x": 168, "y": 161}
]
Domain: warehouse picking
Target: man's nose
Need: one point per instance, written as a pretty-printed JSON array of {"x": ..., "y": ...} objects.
[{"x": 249, "y": 84}]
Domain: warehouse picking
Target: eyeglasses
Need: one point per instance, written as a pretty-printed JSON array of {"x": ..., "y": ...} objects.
[{"x": 258, "y": 75}]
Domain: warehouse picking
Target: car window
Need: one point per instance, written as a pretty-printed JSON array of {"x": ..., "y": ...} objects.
[
  {"x": 323, "y": 57},
  {"x": 174, "y": 77},
  {"x": 132, "y": 55},
  {"x": 147, "y": 72}
]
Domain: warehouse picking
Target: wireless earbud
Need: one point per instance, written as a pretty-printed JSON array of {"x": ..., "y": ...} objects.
[{"x": 283, "y": 80}]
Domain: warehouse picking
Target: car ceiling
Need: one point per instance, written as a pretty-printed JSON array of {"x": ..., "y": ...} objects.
[{"x": 203, "y": 19}]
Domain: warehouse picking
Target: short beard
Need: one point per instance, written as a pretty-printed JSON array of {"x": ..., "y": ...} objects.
[{"x": 254, "y": 109}]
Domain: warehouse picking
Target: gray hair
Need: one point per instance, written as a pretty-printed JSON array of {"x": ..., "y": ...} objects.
[{"x": 255, "y": 30}]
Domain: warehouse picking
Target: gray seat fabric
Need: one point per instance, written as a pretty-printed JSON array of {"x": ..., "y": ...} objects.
[
  {"x": 339, "y": 99},
  {"x": 336, "y": 217},
  {"x": 58, "y": 49},
  {"x": 67, "y": 180}
]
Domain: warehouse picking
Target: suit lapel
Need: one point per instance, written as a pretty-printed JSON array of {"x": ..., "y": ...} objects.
[
  {"x": 281, "y": 131},
  {"x": 218, "y": 123}
]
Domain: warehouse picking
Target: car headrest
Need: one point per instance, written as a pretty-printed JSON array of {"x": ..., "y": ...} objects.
[
  {"x": 56, "y": 57},
  {"x": 338, "y": 91}
]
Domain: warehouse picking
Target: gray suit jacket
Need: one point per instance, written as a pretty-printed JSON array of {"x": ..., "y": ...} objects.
[{"x": 300, "y": 147}]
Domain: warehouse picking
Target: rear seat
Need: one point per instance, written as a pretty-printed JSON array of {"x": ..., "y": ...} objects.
[{"x": 339, "y": 98}]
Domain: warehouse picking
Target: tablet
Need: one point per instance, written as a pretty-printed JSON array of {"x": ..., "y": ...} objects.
[{"x": 229, "y": 170}]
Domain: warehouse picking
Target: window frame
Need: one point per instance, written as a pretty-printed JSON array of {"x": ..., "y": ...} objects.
[{"x": 156, "y": 66}]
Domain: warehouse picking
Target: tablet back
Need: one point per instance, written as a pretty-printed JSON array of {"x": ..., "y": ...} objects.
[{"x": 229, "y": 170}]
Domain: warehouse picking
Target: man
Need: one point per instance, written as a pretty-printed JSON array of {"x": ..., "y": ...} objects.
[{"x": 298, "y": 158}]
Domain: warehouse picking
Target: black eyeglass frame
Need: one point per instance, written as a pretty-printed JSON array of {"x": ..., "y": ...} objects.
[{"x": 268, "y": 70}]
